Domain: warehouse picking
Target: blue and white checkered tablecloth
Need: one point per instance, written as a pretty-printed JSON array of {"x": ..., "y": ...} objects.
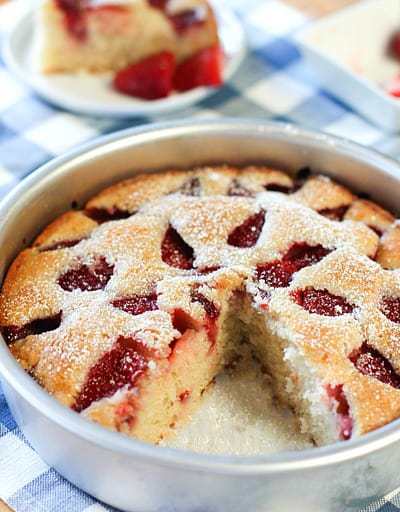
[{"x": 272, "y": 83}]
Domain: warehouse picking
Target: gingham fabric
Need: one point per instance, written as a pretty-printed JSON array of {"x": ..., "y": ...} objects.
[{"x": 272, "y": 83}]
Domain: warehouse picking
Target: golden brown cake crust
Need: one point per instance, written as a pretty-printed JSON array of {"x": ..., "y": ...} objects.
[{"x": 234, "y": 225}]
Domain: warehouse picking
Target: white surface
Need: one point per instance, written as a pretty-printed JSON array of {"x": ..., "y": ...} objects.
[
  {"x": 25, "y": 463},
  {"x": 11, "y": 91},
  {"x": 239, "y": 416},
  {"x": 281, "y": 18},
  {"x": 355, "y": 128},
  {"x": 96, "y": 507},
  {"x": 47, "y": 134},
  {"x": 279, "y": 93},
  {"x": 92, "y": 94},
  {"x": 4, "y": 176},
  {"x": 348, "y": 50}
]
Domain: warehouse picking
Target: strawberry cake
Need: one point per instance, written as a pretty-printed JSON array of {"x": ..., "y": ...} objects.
[
  {"x": 126, "y": 311},
  {"x": 153, "y": 46},
  {"x": 100, "y": 36}
]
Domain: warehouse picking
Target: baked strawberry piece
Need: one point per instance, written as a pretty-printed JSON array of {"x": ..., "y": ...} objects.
[
  {"x": 75, "y": 17},
  {"x": 155, "y": 77},
  {"x": 394, "y": 45},
  {"x": 149, "y": 79},
  {"x": 393, "y": 87},
  {"x": 202, "y": 69}
]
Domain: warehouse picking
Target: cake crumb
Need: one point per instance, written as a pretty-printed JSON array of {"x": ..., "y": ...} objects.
[{"x": 239, "y": 416}]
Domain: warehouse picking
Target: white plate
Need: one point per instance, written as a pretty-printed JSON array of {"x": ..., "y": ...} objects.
[
  {"x": 348, "y": 50},
  {"x": 92, "y": 94}
]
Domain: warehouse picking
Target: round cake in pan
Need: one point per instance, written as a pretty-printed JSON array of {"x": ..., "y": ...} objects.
[{"x": 127, "y": 310}]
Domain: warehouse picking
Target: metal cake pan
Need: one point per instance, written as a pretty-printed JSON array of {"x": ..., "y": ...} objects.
[{"x": 139, "y": 477}]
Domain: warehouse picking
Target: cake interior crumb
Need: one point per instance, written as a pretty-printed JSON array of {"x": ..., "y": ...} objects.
[{"x": 239, "y": 416}]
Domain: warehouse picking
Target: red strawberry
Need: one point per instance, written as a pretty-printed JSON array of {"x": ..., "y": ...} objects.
[
  {"x": 203, "y": 68},
  {"x": 159, "y": 4},
  {"x": 394, "y": 45},
  {"x": 74, "y": 17},
  {"x": 149, "y": 79},
  {"x": 393, "y": 87}
]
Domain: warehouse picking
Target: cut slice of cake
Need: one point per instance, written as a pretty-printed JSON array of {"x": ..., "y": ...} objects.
[{"x": 100, "y": 36}]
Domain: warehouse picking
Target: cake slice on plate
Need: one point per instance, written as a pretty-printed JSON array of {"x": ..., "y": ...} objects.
[{"x": 100, "y": 36}]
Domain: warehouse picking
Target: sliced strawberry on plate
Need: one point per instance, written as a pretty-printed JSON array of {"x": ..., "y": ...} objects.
[
  {"x": 204, "y": 68},
  {"x": 393, "y": 87},
  {"x": 149, "y": 79}
]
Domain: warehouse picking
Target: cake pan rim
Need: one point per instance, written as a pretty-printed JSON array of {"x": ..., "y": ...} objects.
[{"x": 20, "y": 382}]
